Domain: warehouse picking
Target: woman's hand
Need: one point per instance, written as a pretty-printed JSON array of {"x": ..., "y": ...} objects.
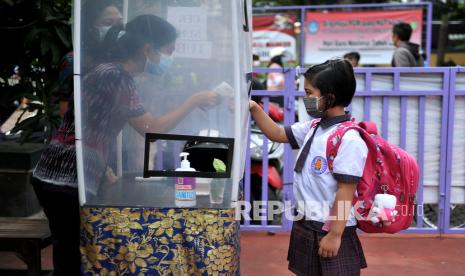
[
  {"x": 205, "y": 99},
  {"x": 147, "y": 123},
  {"x": 110, "y": 177},
  {"x": 329, "y": 245}
]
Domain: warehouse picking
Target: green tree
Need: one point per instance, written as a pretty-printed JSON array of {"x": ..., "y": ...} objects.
[
  {"x": 451, "y": 10},
  {"x": 35, "y": 35}
]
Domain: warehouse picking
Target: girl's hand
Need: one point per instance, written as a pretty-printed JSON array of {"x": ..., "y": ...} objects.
[
  {"x": 252, "y": 104},
  {"x": 329, "y": 245}
]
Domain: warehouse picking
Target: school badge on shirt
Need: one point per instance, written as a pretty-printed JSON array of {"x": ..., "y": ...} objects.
[{"x": 319, "y": 165}]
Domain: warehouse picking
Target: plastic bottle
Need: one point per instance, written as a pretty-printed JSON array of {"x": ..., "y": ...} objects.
[{"x": 185, "y": 186}]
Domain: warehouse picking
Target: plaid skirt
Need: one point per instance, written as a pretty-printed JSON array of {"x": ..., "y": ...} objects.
[{"x": 303, "y": 251}]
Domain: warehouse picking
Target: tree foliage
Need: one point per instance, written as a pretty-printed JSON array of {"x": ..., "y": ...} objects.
[{"x": 35, "y": 35}]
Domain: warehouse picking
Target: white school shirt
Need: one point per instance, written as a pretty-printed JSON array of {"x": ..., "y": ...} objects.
[{"x": 315, "y": 187}]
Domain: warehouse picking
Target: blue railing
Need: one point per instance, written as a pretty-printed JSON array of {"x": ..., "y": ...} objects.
[{"x": 419, "y": 109}]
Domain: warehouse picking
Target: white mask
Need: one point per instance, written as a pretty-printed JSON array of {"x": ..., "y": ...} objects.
[{"x": 102, "y": 31}]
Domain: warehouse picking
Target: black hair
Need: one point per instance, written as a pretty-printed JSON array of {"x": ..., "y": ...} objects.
[
  {"x": 353, "y": 55},
  {"x": 277, "y": 59},
  {"x": 402, "y": 30},
  {"x": 335, "y": 79},
  {"x": 255, "y": 57},
  {"x": 123, "y": 43}
]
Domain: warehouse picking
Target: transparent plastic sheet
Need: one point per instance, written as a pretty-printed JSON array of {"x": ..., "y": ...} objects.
[{"x": 209, "y": 55}]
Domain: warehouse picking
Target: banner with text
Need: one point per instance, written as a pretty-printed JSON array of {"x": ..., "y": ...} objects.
[
  {"x": 333, "y": 34},
  {"x": 271, "y": 32}
]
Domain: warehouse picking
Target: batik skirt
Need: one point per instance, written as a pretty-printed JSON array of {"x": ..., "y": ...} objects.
[{"x": 142, "y": 241}]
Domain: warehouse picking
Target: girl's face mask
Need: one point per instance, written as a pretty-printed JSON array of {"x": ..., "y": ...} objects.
[{"x": 311, "y": 105}]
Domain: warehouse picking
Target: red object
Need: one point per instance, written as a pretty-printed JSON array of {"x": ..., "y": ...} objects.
[
  {"x": 268, "y": 22},
  {"x": 388, "y": 169},
  {"x": 274, "y": 179},
  {"x": 275, "y": 112}
]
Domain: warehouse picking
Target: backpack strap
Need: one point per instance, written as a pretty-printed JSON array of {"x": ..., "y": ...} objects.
[
  {"x": 315, "y": 122},
  {"x": 334, "y": 142},
  {"x": 335, "y": 139},
  {"x": 369, "y": 127}
]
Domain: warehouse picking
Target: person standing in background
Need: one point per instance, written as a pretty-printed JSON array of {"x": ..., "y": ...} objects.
[
  {"x": 353, "y": 58},
  {"x": 275, "y": 80},
  {"x": 406, "y": 54},
  {"x": 54, "y": 178}
]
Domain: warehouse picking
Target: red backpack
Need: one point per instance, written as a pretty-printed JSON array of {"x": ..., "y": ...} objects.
[{"x": 388, "y": 170}]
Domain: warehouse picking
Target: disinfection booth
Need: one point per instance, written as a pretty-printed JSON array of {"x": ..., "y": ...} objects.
[{"x": 121, "y": 164}]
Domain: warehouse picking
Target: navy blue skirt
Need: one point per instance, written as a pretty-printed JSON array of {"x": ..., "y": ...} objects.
[{"x": 303, "y": 251}]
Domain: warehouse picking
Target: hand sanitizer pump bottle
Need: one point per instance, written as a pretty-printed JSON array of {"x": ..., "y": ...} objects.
[{"x": 185, "y": 186}]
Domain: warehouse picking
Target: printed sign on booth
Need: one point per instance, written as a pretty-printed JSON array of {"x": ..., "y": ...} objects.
[
  {"x": 191, "y": 24},
  {"x": 332, "y": 34}
]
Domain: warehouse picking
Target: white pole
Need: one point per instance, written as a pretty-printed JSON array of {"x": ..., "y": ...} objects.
[
  {"x": 77, "y": 100},
  {"x": 119, "y": 154},
  {"x": 119, "y": 138},
  {"x": 237, "y": 107}
]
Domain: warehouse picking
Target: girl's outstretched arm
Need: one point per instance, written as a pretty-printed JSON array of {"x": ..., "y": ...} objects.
[{"x": 271, "y": 130}]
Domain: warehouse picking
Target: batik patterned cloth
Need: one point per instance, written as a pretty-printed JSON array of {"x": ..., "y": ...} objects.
[{"x": 141, "y": 241}]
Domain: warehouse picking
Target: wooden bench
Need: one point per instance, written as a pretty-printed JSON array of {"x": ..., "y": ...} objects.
[{"x": 26, "y": 237}]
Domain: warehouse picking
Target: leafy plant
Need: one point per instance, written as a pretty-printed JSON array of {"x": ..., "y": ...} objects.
[
  {"x": 38, "y": 34},
  {"x": 219, "y": 165}
]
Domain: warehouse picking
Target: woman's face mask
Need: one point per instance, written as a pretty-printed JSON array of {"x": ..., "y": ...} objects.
[
  {"x": 166, "y": 61},
  {"x": 109, "y": 16},
  {"x": 102, "y": 31},
  {"x": 312, "y": 107}
]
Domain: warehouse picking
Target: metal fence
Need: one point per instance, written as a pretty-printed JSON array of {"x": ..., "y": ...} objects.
[{"x": 421, "y": 110}]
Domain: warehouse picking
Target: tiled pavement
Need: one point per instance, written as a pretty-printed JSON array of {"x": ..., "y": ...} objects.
[{"x": 390, "y": 255}]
